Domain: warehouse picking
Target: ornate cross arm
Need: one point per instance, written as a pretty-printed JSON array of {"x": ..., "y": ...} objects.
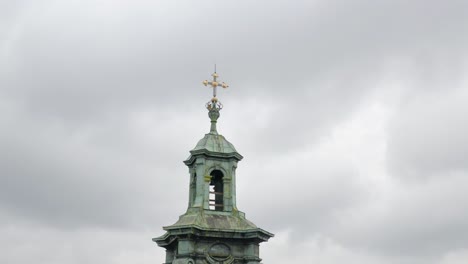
[{"x": 214, "y": 84}]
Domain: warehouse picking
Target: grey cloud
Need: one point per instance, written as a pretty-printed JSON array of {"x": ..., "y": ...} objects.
[
  {"x": 296, "y": 196},
  {"x": 101, "y": 102},
  {"x": 78, "y": 177},
  {"x": 425, "y": 219},
  {"x": 429, "y": 136}
]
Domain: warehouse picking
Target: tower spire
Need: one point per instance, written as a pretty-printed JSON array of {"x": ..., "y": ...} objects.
[
  {"x": 214, "y": 105},
  {"x": 213, "y": 230}
]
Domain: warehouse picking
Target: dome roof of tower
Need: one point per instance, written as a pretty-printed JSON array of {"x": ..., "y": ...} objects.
[{"x": 215, "y": 145}]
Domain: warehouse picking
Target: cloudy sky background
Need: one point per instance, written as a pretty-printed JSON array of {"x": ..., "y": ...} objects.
[{"x": 351, "y": 116}]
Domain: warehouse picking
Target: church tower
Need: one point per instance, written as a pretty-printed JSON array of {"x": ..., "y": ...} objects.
[{"x": 212, "y": 230}]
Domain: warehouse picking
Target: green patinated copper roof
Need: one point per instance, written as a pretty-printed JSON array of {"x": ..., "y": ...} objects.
[
  {"x": 213, "y": 220},
  {"x": 215, "y": 143},
  {"x": 213, "y": 224}
]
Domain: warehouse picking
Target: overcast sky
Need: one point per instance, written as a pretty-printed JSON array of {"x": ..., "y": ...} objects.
[{"x": 352, "y": 117}]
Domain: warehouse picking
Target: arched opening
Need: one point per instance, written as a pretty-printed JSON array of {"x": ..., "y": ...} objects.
[{"x": 216, "y": 191}]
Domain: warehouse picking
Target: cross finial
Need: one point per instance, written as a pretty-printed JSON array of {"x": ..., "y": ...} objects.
[{"x": 214, "y": 84}]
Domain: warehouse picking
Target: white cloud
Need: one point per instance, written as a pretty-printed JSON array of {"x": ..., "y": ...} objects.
[{"x": 459, "y": 256}]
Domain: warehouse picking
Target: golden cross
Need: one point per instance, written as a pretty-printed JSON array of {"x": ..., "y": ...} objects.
[{"x": 214, "y": 84}]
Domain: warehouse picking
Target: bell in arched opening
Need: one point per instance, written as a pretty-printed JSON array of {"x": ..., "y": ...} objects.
[{"x": 216, "y": 191}]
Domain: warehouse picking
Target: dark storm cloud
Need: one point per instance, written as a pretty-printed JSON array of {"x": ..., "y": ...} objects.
[{"x": 100, "y": 101}]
